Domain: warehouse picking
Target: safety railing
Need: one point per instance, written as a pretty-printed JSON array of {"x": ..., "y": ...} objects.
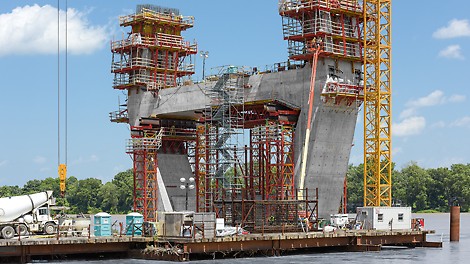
[
  {"x": 335, "y": 88},
  {"x": 351, "y": 50},
  {"x": 297, "y": 5},
  {"x": 160, "y": 40},
  {"x": 147, "y": 14},
  {"x": 347, "y": 5},
  {"x": 132, "y": 64},
  {"x": 136, "y": 144},
  {"x": 292, "y": 27},
  {"x": 118, "y": 116}
]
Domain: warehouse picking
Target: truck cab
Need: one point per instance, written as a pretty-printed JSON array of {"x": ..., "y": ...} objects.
[{"x": 43, "y": 222}]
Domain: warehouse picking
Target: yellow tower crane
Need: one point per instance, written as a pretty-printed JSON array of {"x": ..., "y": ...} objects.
[{"x": 377, "y": 103}]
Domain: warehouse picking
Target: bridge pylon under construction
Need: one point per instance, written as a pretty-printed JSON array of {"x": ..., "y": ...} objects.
[{"x": 242, "y": 132}]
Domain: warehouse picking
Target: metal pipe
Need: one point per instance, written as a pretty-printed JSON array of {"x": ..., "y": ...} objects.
[{"x": 455, "y": 223}]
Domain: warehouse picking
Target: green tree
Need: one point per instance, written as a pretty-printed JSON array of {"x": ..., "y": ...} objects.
[
  {"x": 108, "y": 198},
  {"x": 459, "y": 186},
  {"x": 7, "y": 191},
  {"x": 355, "y": 187},
  {"x": 124, "y": 181},
  {"x": 438, "y": 191},
  {"x": 415, "y": 181},
  {"x": 83, "y": 195},
  {"x": 32, "y": 186}
]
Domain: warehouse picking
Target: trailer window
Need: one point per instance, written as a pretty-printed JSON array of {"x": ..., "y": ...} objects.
[
  {"x": 43, "y": 211},
  {"x": 380, "y": 217},
  {"x": 400, "y": 217}
]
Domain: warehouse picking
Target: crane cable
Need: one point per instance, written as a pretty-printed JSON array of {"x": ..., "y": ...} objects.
[{"x": 62, "y": 167}]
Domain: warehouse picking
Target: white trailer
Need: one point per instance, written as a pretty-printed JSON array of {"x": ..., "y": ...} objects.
[
  {"x": 384, "y": 218},
  {"x": 26, "y": 213}
]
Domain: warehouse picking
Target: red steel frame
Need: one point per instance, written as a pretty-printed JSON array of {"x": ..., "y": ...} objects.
[
  {"x": 160, "y": 34},
  {"x": 303, "y": 22},
  {"x": 145, "y": 183},
  {"x": 268, "y": 190},
  {"x": 306, "y": 29}
]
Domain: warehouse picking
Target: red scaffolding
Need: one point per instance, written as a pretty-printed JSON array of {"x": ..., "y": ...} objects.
[
  {"x": 143, "y": 150},
  {"x": 335, "y": 27},
  {"x": 259, "y": 193},
  {"x": 154, "y": 55}
]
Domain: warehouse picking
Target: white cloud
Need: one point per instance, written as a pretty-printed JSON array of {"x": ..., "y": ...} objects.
[
  {"x": 45, "y": 169},
  {"x": 462, "y": 122},
  {"x": 81, "y": 160},
  {"x": 3, "y": 163},
  {"x": 410, "y": 126},
  {"x": 452, "y": 52},
  {"x": 440, "y": 124},
  {"x": 408, "y": 112},
  {"x": 457, "y": 98},
  {"x": 39, "y": 160},
  {"x": 434, "y": 98},
  {"x": 396, "y": 150},
  {"x": 449, "y": 161},
  {"x": 455, "y": 28},
  {"x": 33, "y": 30}
]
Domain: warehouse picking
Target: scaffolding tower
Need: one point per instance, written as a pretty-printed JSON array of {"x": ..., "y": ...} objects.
[
  {"x": 143, "y": 150},
  {"x": 154, "y": 56},
  {"x": 335, "y": 27},
  {"x": 224, "y": 126}
]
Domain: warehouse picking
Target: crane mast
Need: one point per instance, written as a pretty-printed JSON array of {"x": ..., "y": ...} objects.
[{"x": 377, "y": 103}]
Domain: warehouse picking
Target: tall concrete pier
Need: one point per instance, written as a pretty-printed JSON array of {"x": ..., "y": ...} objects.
[{"x": 330, "y": 141}]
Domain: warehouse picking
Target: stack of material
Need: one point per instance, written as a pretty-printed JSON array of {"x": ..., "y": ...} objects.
[
  {"x": 173, "y": 225},
  {"x": 205, "y": 223}
]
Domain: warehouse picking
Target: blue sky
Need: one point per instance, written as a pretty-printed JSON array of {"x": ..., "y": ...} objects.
[{"x": 431, "y": 92}]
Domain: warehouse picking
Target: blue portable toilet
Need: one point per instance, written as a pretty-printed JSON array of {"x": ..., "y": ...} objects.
[
  {"x": 134, "y": 223},
  {"x": 102, "y": 224}
]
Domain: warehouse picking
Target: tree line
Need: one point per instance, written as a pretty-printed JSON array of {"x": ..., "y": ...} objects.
[
  {"x": 420, "y": 188},
  {"x": 84, "y": 196},
  {"x": 424, "y": 190}
]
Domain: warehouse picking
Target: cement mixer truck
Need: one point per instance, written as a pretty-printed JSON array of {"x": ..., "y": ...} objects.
[{"x": 20, "y": 215}]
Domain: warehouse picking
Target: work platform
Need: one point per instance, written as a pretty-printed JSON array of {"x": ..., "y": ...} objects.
[{"x": 185, "y": 249}]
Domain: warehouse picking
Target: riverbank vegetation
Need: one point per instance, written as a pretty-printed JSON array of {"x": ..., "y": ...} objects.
[{"x": 425, "y": 190}]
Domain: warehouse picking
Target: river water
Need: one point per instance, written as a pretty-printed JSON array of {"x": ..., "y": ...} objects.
[{"x": 455, "y": 252}]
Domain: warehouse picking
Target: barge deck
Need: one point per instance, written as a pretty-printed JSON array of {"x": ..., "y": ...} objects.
[{"x": 184, "y": 249}]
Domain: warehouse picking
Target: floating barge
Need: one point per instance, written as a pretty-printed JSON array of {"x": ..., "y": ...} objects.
[{"x": 185, "y": 249}]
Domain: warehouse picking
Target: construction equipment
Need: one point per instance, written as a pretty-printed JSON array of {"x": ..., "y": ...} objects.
[
  {"x": 62, "y": 167},
  {"x": 27, "y": 213},
  {"x": 377, "y": 103}
]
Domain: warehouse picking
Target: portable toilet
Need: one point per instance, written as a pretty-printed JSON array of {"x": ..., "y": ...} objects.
[
  {"x": 102, "y": 224},
  {"x": 134, "y": 224}
]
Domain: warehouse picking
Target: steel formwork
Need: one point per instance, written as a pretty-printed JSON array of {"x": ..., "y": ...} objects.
[
  {"x": 336, "y": 23},
  {"x": 154, "y": 55},
  {"x": 335, "y": 27}
]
